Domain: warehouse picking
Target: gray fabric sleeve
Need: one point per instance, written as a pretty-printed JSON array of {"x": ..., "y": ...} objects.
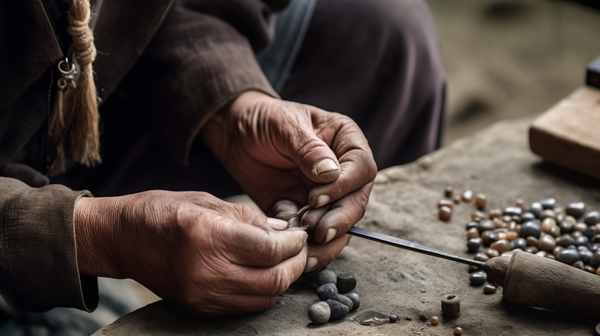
[{"x": 38, "y": 255}]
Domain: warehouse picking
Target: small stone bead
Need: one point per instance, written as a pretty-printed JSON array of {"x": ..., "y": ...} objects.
[
  {"x": 550, "y": 256},
  {"x": 451, "y": 305},
  {"x": 579, "y": 264},
  {"x": 581, "y": 241},
  {"x": 532, "y": 241},
  {"x": 458, "y": 331},
  {"x": 345, "y": 301},
  {"x": 598, "y": 271},
  {"x": 502, "y": 235},
  {"x": 554, "y": 231},
  {"x": 501, "y": 246},
  {"x": 513, "y": 226},
  {"x": 355, "y": 300},
  {"x": 489, "y": 288},
  {"x": 581, "y": 227},
  {"x": 456, "y": 199},
  {"x": 474, "y": 244},
  {"x": 557, "y": 250},
  {"x": 448, "y": 191},
  {"x": 486, "y": 225},
  {"x": 511, "y": 235},
  {"x": 393, "y": 318},
  {"x": 480, "y": 201},
  {"x": 516, "y": 219},
  {"x": 326, "y": 276},
  {"x": 542, "y": 254},
  {"x": 548, "y": 203},
  {"x": 595, "y": 262},
  {"x": 346, "y": 282},
  {"x": 467, "y": 196},
  {"x": 590, "y": 269},
  {"x": 445, "y": 213},
  {"x": 547, "y": 224},
  {"x": 472, "y": 225},
  {"x": 446, "y": 203},
  {"x": 565, "y": 240},
  {"x": 478, "y": 278},
  {"x": 319, "y": 313},
  {"x": 338, "y": 310},
  {"x": 512, "y": 211},
  {"x": 519, "y": 203},
  {"x": 472, "y": 233},
  {"x": 576, "y": 234},
  {"x": 547, "y": 214},
  {"x": 576, "y": 209},
  {"x": 568, "y": 256},
  {"x": 536, "y": 209},
  {"x": 434, "y": 321},
  {"x": 481, "y": 257},
  {"x": 546, "y": 243},
  {"x": 527, "y": 216},
  {"x": 592, "y": 218},
  {"x": 495, "y": 213},
  {"x": 590, "y": 232},
  {"x": 586, "y": 256},
  {"x": 492, "y": 253},
  {"x": 489, "y": 237},
  {"x": 519, "y": 243},
  {"x": 532, "y": 249},
  {"x": 477, "y": 216},
  {"x": 531, "y": 229},
  {"x": 506, "y": 218},
  {"x": 565, "y": 226},
  {"x": 327, "y": 291}
]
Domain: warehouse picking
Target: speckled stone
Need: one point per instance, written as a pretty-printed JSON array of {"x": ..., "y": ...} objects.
[
  {"x": 576, "y": 209},
  {"x": 548, "y": 203},
  {"x": 595, "y": 262},
  {"x": 478, "y": 278},
  {"x": 343, "y": 299},
  {"x": 592, "y": 218},
  {"x": 474, "y": 244},
  {"x": 326, "y": 276},
  {"x": 346, "y": 282},
  {"x": 327, "y": 291},
  {"x": 319, "y": 313},
  {"x": 512, "y": 211},
  {"x": 536, "y": 209},
  {"x": 546, "y": 243},
  {"x": 338, "y": 310},
  {"x": 355, "y": 300},
  {"x": 489, "y": 288},
  {"x": 520, "y": 243},
  {"x": 568, "y": 256},
  {"x": 531, "y": 229},
  {"x": 527, "y": 216},
  {"x": 565, "y": 240},
  {"x": 501, "y": 246}
]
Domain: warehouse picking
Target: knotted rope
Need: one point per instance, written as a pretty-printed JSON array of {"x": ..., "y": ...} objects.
[{"x": 85, "y": 135}]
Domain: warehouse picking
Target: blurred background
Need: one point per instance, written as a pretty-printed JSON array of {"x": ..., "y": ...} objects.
[{"x": 512, "y": 58}]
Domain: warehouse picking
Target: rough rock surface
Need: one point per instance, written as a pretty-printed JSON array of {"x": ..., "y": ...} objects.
[{"x": 495, "y": 162}]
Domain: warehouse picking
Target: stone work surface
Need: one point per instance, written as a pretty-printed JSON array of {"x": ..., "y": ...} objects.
[{"x": 495, "y": 162}]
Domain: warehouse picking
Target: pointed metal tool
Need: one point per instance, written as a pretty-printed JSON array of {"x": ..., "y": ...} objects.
[{"x": 408, "y": 245}]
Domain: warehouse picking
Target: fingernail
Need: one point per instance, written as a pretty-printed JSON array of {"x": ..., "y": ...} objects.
[
  {"x": 321, "y": 201},
  {"x": 311, "y": 263},
  {"x": 330, "y": 234},
  {"x": 325, "y": 165},
  {"x": 277, "y": 224}
]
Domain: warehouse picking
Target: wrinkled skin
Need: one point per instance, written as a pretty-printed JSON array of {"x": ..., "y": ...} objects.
[{"x": 214, "y": 258}]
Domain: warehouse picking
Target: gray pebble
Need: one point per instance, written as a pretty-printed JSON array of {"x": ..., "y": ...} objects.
[
  {"x": 536, "y": 209},
  {"x": 319, "y": 313},
  {"x": 586, "y": 256},
  {"x": 590, "y": 232},
  {"x": 590, "y": 269},
  {"x": 346, "y": 282},
  {"x": 576, "y": 209},
  {"x": 489, "y": 288},
  {"x": 592, "y": 218},
  {"x": 565, "y": 226},
  {"x": 565, "y": 240},
  {"x": 327, "y": 291},
  {"x": 355, "y": 300},
  {"x": 531, "y": 229},
  {"x": 474, "y": 244},
  {"x": 326, "y": 276},
  {"x": 581, "y": 241},
  {"x": 485, "y": 225},
  {"x": 527, "y": 216},
  {"x": 478, "y": 278},
  {"x": 579, "y": 264},
  {"x": 568, "y": 256},
  {"x": 512, "y": 211},
  {"x": 548, "y": 203},
  {"x": 519, "y": 243},
  {"x": 345, "y": 300},
  {"x": 338, "y": 310}
]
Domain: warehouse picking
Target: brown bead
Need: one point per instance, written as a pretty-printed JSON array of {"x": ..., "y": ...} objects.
[
  {"x": 456, "y": 199},
  {"x": 491, "y": 252},
  {"x": 557, "y": 250},
  {"x": 498, "y": 223},
  {"x": 501, "y": 246},
  {"x": 506, "y": 219},
  {"x": 486, "y": 225},
  {"x": 512, "y": 226},
  {"x": 532, "y": 249},
  {"x": 532, "y": 241},
  {"x": 472, "y": 233},
  {"x": 547, "y": 214},
  {"x": 477, "y": 216},
  {"x": 434, "y": 321},
  {"x": 467, "y": 196},
  {"x": 495, "y": 213},
  {"x": 581, "y": 227},
  {"x": 576, "y": 234},
  {"x": 546, "y": 243},
  {"x": 448, "y": 191},
  {"x": 445, "y": 213},
  {"x": 516, "y": 219},
  {"x": 519, "y": 203},
  {"x": 502, "y": 235},
  {"x": 547, "y": 224},
  {"x": 480, "y": 201},
  {"x": 511, "y": 235},
  {"x": 446, "y": 203},
  {"x": 598, "y": 271},
  {"x": 451, "y": 305},
  {"x": 481, "y": 257},
  {"x": 554, "y": 231},
  {"x": 458, "y": 331},
  {"x": 488, "y": 237}
]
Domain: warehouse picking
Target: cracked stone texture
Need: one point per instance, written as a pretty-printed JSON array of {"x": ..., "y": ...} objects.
[{"x": 496, "y": 162}]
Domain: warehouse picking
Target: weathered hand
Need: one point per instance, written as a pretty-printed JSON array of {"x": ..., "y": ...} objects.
[
  {"x": 206, "y": 255},
  {"x": 286, "y": 155}
]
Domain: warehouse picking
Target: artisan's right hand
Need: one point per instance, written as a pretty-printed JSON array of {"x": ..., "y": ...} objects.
[{"x": 208, "y": 256}]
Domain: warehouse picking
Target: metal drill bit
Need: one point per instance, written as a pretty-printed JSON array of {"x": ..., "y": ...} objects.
[{"x": 408, "y": 245}]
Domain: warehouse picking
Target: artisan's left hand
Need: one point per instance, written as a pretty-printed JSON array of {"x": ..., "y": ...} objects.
[{"x": 285, "y": 155}]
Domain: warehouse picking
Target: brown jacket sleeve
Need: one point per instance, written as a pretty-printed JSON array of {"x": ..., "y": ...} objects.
[
  {"x": 196, "y": 64},
  {"x": 38, "y": 259}
]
